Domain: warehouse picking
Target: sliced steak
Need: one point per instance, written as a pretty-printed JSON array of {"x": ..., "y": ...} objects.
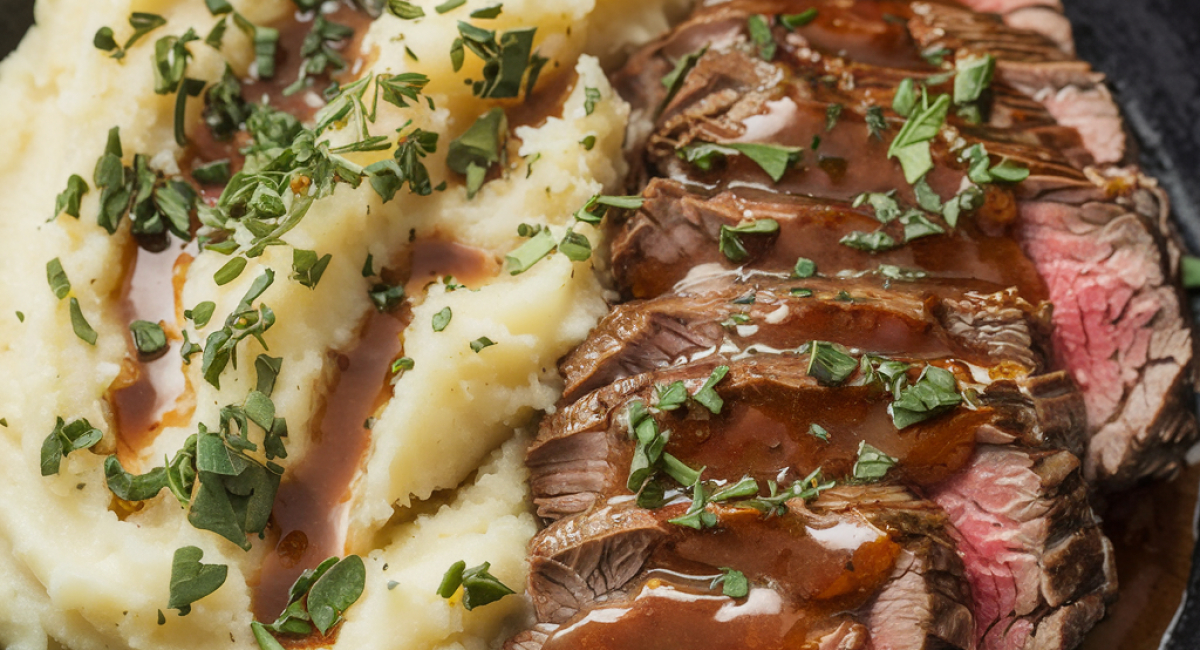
[
  {"x": 677, "y": 230},
  {"x": 727, "y": 313},
  {"x": 1111, "y": 261},
  {"x": 832, "y": 575},
  {"x": 583, "y": 453},
  {"x": 1039, "y": 566}
]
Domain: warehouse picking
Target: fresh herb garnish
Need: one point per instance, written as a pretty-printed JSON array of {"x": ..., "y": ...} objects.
[
  {"x": 591, "y": 98},
  {"x": 531, "y": 252},
  {"x": 892, "y": 272},
  {"x": 905, "y": 99},
  {"x": 698, "y": 516},
  {"x": 828, "y": 364},
  {"x": 507, "y": 61},
  {"x": 64, "y": 439},
  {"x": 674, "y": 79},
  {"x": 832, "y": 113},
  {"x": 761, "y": 37},
  {"x": 911, "y": 145},
  {"x": 78, "y": 323},
  {"x": 149, "y": 339},
  {"x": 221, "y": 346},
  {"x": 707, "y": 395},
  {"x": 57, "y": 278},
  {"x": 480, "y": 343},
  {"x": 730, "y": 242},
  {"x": 935, "y": 392},
  {"x": 191, "y": 580},
  {"x": 973, "y": 76},
  {"x": 575, "y": 246},
  {"x": 792, "y": 21},
  {"x": 596, "y": 208},
  {"x": 478, "y": 148},
  {"x": 142, "y": 24},
  {"x": 68, "y": 201},
  {"x": 319, "y": 52},
  {"x": 873, "y": 242},
  {"x": 871, "y": 464},
  {"x": 442, "y": 319},
  {"x": 876, "y": 124},
  {"x": 307, "y": 267},
  {"x": 449, "y": 5},
  {"x": 817, "y": 431},
  {"x": 733, "y": 583},
  {"x": 405, "y": 10},
  {"x": 671, "y": 396},
  {"x": 887, "y": 209},
  {"x": 488, "y": 13},
  {"x": 745, "y": 487},
  {"x": 774, "y": 159},
  {"x": 775, "y": 504},
  {"x": 479, "y": 586},
  {"x": 917, "y": 225}
]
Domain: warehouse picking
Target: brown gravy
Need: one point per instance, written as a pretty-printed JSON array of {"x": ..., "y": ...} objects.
[
  {"x": 148, "y": 396},
  {"x": 312, "y": 500},
  {"x": 1151, "y": 528}
]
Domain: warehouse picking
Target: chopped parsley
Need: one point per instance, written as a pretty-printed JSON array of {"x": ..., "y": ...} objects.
[
  {"x": 404, "y": 10},
  {"x": 78, "y": 323},
  {"x": 973, "y": 76},
  {"x": 873, "y": 242},
  {"x": 442, "y": 319},
  {"x": 911, "y": 145},
  {"x": 730, "y": 241},
  {"x": 479, "y": 586},
  {"x": 64, "y": 439},
  {"x": 57, "y": 278},
  {"x": 149, "y": 339},
  {"x": 774, "y": 159},
  {"x": 698, "y": 516},
  {"x": 319, "y": 597},
  {"x": 142, "y": 24},
  {"x": 479, "y": 148},
  {"x": 531, "y": 252},
  {"x": 733, "y": 583},
  {"x": 591, "y": 98},
  {"x": 876, "y": 124},
  {"x": 507, "y": 60},
  {"x": 871, "y": 464},
  {"x": 307, "y": 267},
  {"x": 832, "y": 113},
  {"x": 935, "y": 392},
  {"x": 817, "y": 431},
  {"x": 191, "y": 580},
  {"x": 674, "y": 79},
  {"x": 761, "y": 37},
  {"x": 792, "y": 21},
  {"x": 320, "y": 56},
  {"x": 829, "y": 364},
  {"x": 68, "y": 201}
]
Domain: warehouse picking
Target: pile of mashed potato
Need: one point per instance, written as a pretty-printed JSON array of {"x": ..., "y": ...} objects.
[{"x": 73, "y": 573}]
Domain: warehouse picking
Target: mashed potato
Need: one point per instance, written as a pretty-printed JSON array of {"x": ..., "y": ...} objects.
[{"x": 77, "y": 571}]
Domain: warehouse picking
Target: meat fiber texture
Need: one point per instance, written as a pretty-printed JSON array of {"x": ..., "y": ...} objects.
[{"x": 72, "y": 574}]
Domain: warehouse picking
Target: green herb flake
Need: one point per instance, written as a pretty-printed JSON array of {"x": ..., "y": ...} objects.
[
  {"x": 730, "y": 242},
  {"x": 674, "y": 79},
  {"x": 335, "y": 591},
  {"x": 911, "y": 145},
  {"x": 191, "y": 580},
  {"x": 746, "y": 487},
  {"x": 64, "y": 439},
  {"x": 892, "y": 272},
  {"x": 873, "y": 242},
  {"x": 405, "y": 10},
  {"x": 733, "y": 583},
  {"x": 530, "y": 253},
  {"x": 488, "y": 13},
  {"x": 697, "y": 516},
  {"x": 588, "y": 142},
  {"x": 230, "y": 271},
  {"x": 216, "y": 172},
  {"x": 1009, "y": 171},
  {"x": 480, "y": 343},
  {"x": 817, "y": 431},
  {"x": 591, "y": 98},
  {"x": 671, "y": 396},
  {"x": 707, "y": 395},
  {"x": 917, "y": 225},
  {"x": 78, "y": 323},
  {"x": 973, "y": 76},
  {"x": 934, "y": 393},
  {"x": 403, "y": 364},
  {"x": 876, "y": 124},
  {"x": 800, "y": 292},
  {"x": 449, "y": 5},
  {"x": 478, "y": 148},
  {"x": 202, "y": 313},
  {"x": 57, "y": 278},
  {"x": 773, "y": 159},
  {"x": 871, "y": 464},
  {"x": 307, "y": 268},
  {"x": 760, "y": 35},
  {"x": 793, "y": 21},
  {"x": 832, "y": 113},
  {"x": 887, "y": 209},
  {"x": 828, "y": 364},
  {"x": 69, "y": 200},
  {"x": 149, "y": 339},
  {"x": 442, "y": 319},
  {"x": 905, "y": 99},
  {"x": 479, "y": 586},
  {"x": 575, "y": 247}
]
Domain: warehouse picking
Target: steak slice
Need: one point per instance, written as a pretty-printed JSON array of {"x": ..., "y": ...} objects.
[
  {"x": 583, "y": 453},
  {"x": 676, "y": 230},
  {"x": 917, "y": 318},
  {"x": 1110, "y": 258},
  {"x": 834, "y": 573},
  {"x": 1040, "y": 568}
]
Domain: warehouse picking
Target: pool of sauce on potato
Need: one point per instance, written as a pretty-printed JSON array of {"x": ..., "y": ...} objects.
[{"x": 1151, "y": 527}]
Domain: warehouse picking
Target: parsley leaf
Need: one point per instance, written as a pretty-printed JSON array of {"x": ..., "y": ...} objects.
[
  {"x": 307, "y": 268},
  {"x": 974, "y": 75},
  {"x": 78, "y": 323},
  {"x": 149, "y": 339},
  {"x": 934, "y": 393},
  {"x": 773, "y": 159},
  {"x": 828, "y": 364},
  {"x": 68, "y": 201},
  {"x": 674, "y": 79},
  {"x": 873, "y": 242},
  {"x": 335, "y": 591},
  {"x": 733, "y": 583},
  {"x": 404, "y": 10},
  {"x": 479, "y": 586},
  {"x": 64, "y": 439},
  {"x": 191, "y": 580},
  {"x": 707, "y": 395},
  {"x": 730, "y": 242},
  {"x": 57, "y": 278},
  {"x": 442, "y": 319},
  {"x": 142, "y": 24},
  {"x": 760, "y": 35},
  {"x": 871, "y": 464},
  {"x": 478, "y": 148},
  {"x": 792, "y": 21},
  {"x": 531, "y": 252}
]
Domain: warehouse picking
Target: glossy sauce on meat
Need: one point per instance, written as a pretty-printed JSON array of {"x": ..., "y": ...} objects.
[{"x": 801, "y": 579}]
